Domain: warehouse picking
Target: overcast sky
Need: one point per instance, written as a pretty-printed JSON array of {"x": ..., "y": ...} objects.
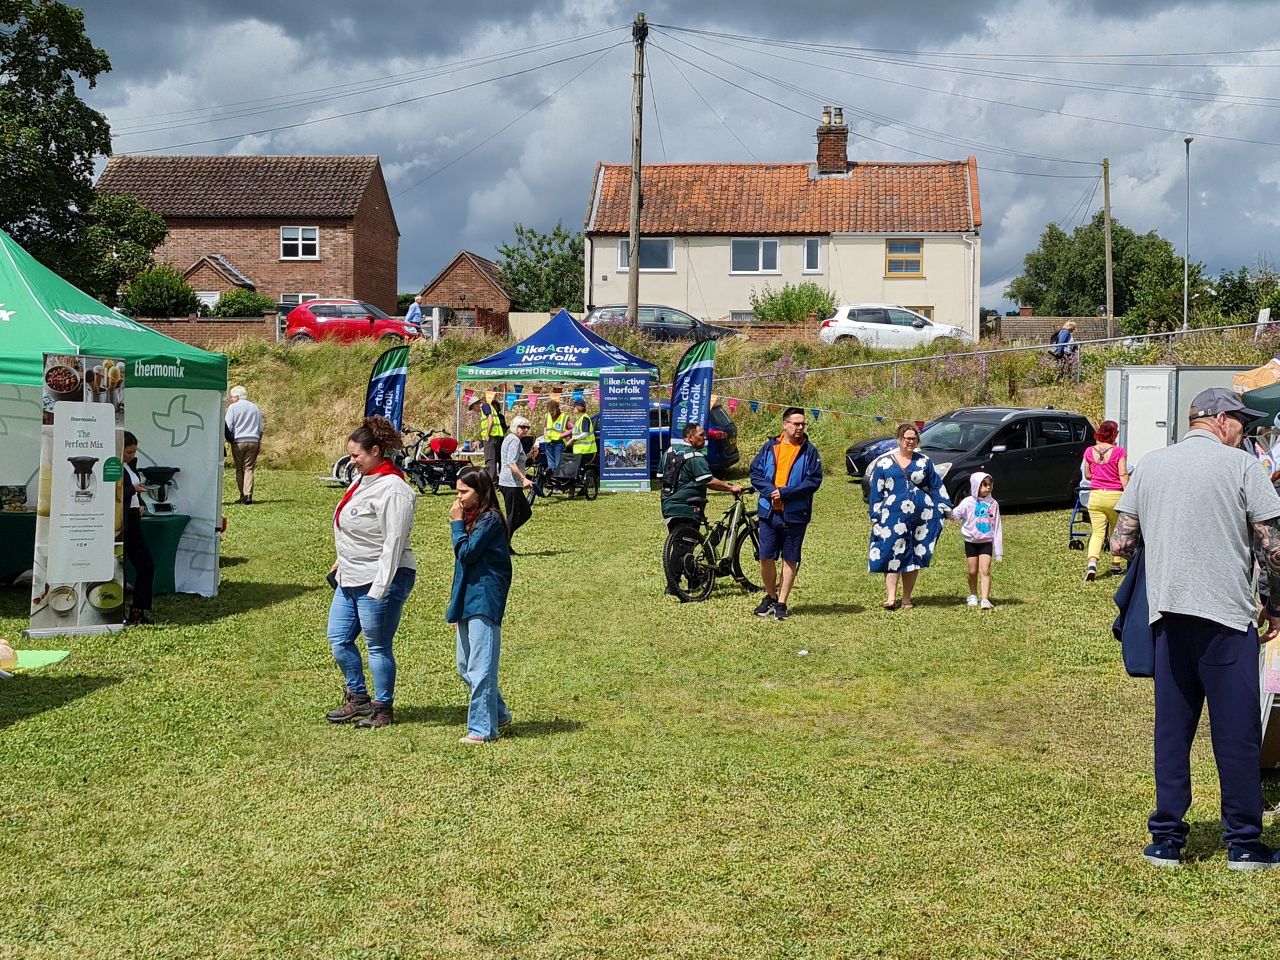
[{"x": 930, "y": 77}]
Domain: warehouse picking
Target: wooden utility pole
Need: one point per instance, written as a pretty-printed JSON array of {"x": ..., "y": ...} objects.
[
  {"x": 639, "y": 32},
  {"x": 1106, "y": 225}
]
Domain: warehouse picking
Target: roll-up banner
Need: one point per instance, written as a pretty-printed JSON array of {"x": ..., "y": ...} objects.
[
  {"x": 623, "y": 431},
  {"x": 77, "y": 583}
]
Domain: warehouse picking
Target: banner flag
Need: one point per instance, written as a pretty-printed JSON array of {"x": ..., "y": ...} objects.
[
  {"x": 385, "y": 394},
  {"x": 489, "y": 395},
  {"x": 733, "y": 405},
  {"x": 577, "y": 395},
  {"x": 511, "y": 399},
  {"x": 816, "y": 413},
  {"x": 532, "y": 400},
  {"x": 836, "y": 414},
  {"x": 755, "y": 406},
  {"x": 691, "y": 391},
  {"x": 466, "y": 397},
  {"x": 715, "y": 400},
  {"x": 519, "y": 388}
]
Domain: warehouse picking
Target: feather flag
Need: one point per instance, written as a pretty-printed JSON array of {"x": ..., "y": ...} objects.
[
  {"x": 384, "y": 396},
  {"x": 691, "y": 391}
]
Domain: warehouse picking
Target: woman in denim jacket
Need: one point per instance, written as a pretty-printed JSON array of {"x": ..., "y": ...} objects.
[{"x": 481, "y": 582}]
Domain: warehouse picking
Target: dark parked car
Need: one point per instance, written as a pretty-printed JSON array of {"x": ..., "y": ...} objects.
[
  {"x": 661, "y": 323},
  {"x": 722, "y": 437},
  {"x": 1033, "y": 455}
]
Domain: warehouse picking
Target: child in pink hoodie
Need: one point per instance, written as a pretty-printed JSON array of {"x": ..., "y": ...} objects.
[{"x": 979, "y": 516}]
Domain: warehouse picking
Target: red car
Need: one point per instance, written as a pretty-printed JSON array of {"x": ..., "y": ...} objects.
[{"x": 344, "y": 321}]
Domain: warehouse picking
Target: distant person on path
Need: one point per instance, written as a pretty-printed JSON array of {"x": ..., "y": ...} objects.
[
  {"x": 908, "y": 503},
  {"x": 1201, "y": 510},
  {"x": 553, "y": 436},
  {"x": 243, "y": 428},
  {"x": 373, "y": 575},
  {"x": 414, "y": 313},
  {"x": 1106, "y": 467},
  {"x": 983, "y": 535},
  {"x": 1064, "y": 348},
  {"x": 686, "y": 477},
  {"x": 135, "y": 545},
  {"x": 512, "y": 480},
  {"x": 478, "y": 602},
  {"x": 787, "y": 472}
]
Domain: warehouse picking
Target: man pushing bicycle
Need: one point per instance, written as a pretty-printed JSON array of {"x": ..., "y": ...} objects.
[{"x": 686, "y": 477}]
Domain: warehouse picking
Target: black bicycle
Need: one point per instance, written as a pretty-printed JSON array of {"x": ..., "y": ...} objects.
[
  {"x": 425, "y": 473},
  {"x": 576, "y": 476},
  {"x": 728, "y": 547}
]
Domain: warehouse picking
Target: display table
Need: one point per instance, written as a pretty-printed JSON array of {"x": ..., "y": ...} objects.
[
  {"x": 18, "y": 534},
  {"x": 162, "y": 532}
]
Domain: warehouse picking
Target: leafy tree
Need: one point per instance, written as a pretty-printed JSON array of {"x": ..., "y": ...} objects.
[
  {"x": 1241, "y": 294},
  {"x": 403, "y": 300},
  {"x": 1157, "y": 295},
  {"x": 48, "y": 135},
  {"x": 119, "y": 237},
  {"x": 159, "y": 292},
  {"x": 1066, "y": 276},
  {"x": 243, "y": 303},
  {"x": 793, "y": 303},
  {"x": 543, "y": 271}
]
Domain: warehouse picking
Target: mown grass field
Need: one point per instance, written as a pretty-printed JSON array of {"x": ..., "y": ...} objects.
[{"x": 681, "y": 782}]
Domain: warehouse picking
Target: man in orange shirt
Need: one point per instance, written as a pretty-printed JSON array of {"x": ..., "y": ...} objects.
[{"x": 787, "y": 472}]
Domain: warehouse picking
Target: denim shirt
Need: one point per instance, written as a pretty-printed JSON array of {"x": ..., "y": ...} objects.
[{"x": 481, "y": 570}]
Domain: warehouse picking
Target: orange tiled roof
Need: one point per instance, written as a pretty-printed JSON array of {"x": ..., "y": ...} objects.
[
  {"x": 781, "y": 198},
  {"x": 242, "y": 186}
]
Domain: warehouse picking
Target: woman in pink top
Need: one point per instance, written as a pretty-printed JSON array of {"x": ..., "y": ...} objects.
[{"x": 1106, "y": 468}]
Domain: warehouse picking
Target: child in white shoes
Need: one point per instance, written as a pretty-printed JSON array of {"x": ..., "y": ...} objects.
[{"x": 979, "y": 517}]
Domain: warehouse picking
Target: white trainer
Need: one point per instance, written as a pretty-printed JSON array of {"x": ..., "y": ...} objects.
[{"x": 972, "y": 601}]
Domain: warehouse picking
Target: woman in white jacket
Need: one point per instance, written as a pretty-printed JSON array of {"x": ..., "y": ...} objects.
[{"x": 374, "y": 573}]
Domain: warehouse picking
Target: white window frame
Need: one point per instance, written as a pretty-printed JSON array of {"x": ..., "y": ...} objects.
[
  {"x": 759, "y": 242},
  {"x": 804, "y": 256},
  {"x": 296, "y": 299},
  {"x": 300, "y": 240},
  {"x": 624, "y": 265}
]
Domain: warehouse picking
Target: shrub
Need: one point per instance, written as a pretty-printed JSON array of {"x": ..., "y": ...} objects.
[
  {"x": 243, "y": 303},
  {"x": 403, "y": 300},
  {"x": 792, "y": 304},
  {"x": 159, "y": 292}
]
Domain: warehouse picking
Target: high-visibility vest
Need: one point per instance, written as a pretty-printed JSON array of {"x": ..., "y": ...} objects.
[
  {"x": 490, "y": 425},
  {"x": 555, "y": 428},
  {"x": 587, "y": 443}
]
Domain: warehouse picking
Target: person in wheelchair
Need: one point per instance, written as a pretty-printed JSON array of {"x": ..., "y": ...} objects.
[{"x": 686, "y": 477}]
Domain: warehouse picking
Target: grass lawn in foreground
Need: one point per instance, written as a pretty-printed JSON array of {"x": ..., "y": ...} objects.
[{"x": 682, "y": 782}]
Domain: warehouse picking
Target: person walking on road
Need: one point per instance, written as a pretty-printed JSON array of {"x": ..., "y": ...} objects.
[
  {"x": 1201, "y": 511},
  {"x": 373, "y": 575},
  {"x": 512, "y": 480},
  {"x": 478, "y": 601},
  {"x": 1064, "y": 349},
  {"x": 787, "y": 472},
  {"x": 243, "y": 428},
  {"x": 686, "y": 477}
]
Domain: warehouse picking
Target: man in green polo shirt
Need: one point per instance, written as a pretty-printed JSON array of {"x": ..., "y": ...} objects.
[{"x": 686, "y": 477}]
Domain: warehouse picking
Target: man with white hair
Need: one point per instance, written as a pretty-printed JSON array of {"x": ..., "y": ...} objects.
[
  {"x": 512, "y": 480},
  {"x": 244, "y": 431}
]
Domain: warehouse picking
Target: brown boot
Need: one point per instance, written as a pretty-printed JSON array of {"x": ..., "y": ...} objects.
[
  {"x": 354, "y": 705},
  {"x": 381, "y": 716}
]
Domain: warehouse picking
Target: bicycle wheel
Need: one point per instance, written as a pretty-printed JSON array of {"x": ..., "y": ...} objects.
[
  {"x": 689, "y": 566},
  {"x": 746, "y": 556},
  {"x": 590, "y": 486}
]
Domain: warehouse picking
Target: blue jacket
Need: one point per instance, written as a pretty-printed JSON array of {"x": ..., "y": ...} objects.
[
  {"x": 1132, "y": 629},
  {"x": 481, "y": 570},
  {"x": 802, "y": 483}
]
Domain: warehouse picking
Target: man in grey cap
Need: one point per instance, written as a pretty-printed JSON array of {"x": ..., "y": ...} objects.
[{"x": 1201, "y": 510}]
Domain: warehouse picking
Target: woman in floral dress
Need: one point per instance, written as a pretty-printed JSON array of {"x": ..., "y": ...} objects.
[{"x": 908, "y": 503}]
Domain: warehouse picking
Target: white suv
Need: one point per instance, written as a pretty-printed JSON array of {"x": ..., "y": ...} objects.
[{"x": 886, "y": 327}]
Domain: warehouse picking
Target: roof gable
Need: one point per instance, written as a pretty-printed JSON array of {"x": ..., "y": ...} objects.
[
  {"x": 783, "y": 198},
  {"x": 488, "y": 270},
  {"x": 242, "y": 186}
]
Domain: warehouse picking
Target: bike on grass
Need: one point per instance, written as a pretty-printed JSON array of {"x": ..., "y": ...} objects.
[
  {"x": 575, "y": 476},
  {"x": 730, "y": 547},
  {"x": 425, "y": 473}
]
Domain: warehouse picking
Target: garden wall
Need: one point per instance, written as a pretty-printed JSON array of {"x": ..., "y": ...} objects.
[{"x": 211, "y": 333}]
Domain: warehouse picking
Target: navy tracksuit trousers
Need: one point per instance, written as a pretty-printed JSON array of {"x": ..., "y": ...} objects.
[{"x": 1198, "y": 660}]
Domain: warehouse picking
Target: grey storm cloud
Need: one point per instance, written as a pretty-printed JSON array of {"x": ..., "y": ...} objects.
[{"x": 1000, "y": 81}]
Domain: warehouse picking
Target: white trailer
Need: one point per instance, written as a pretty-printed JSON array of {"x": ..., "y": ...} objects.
[{"x": 1150, "y": 403}]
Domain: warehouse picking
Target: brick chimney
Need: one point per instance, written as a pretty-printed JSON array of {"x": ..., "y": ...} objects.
[{"x": 833, "y": 143}]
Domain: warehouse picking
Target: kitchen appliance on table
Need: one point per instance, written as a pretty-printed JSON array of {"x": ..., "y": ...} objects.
[{"x": 158, "y": 481}]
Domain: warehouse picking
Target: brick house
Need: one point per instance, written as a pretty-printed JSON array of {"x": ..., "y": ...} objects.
[
  {"x": 471, "y": 287},
  {"x": 898, "y": 233},
  {"x": 291, "y": 228}
]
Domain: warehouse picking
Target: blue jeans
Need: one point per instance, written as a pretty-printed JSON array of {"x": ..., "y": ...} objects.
[
  {"x": 351, "y": 612},
  {"x": 479, "y": 642},
  {"x": 555, "y": 452}
]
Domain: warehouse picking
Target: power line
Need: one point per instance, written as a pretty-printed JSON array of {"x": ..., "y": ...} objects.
[
  {"x": 382, "y": 106},
  {"x": 653, "y": 99},
  {"x": 505, "y": 127},
  {"x": 705, "y": 102},
  {"x": 1049, "y": 111}
]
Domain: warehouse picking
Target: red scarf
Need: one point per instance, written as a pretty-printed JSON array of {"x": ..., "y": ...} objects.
[{"x": 385, "y": 467}]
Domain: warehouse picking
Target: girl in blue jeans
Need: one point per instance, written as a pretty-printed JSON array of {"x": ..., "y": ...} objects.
[
  {"x": 373, "y": 575},
  {"x": 481, "y": 582}
]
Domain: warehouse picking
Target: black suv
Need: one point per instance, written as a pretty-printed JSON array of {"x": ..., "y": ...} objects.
[
  {"x": 661, "y": 323},
  {"x": 1033, "y": 455}
]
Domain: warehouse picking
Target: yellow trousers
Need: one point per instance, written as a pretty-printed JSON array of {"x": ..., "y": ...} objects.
[{"x": 1102, "y": 517}]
